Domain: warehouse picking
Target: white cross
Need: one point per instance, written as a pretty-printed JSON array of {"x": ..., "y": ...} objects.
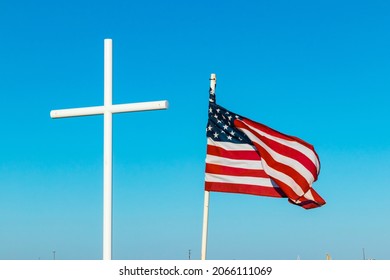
[{"x": 107, "y": 110}]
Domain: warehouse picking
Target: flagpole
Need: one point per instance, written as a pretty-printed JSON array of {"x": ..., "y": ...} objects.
[
  {"x": 205, "y": 224},
  {"x": 213, "y": 82}
]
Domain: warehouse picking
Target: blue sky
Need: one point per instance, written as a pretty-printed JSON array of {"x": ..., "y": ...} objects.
[{"x": 318, "y": 70}]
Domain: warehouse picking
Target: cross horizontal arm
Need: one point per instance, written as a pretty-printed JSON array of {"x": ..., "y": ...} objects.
[{"x": 119, "y": 108}]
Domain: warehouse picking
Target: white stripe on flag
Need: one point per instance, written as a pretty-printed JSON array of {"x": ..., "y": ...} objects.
[
  {"x": 230, "y": 146},
  {"x": 264, "y": 182},
  {"x": 238, "y": 163}
]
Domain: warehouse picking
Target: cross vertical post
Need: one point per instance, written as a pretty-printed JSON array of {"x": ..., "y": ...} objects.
[
  {"x": 107, "y": 152},
  {"x": 107, "y": 110}
]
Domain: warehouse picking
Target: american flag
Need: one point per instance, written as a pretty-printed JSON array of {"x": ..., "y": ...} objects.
[{"x": 247, "y": 157}]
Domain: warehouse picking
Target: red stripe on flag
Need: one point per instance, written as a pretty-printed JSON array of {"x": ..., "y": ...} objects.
[
  {"x": 243, "y": 189},
  {"x": 234, "y": 171},
  {"x": 232, "y": 154}
]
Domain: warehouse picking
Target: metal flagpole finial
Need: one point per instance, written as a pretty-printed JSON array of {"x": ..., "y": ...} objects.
[{"x": 213, "y": 84}]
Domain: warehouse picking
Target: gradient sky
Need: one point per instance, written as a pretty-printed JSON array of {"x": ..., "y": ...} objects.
[{"x": 318, "y": 70}]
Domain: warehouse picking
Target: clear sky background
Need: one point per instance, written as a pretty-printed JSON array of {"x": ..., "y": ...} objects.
[{"x": 319, "y": 70}]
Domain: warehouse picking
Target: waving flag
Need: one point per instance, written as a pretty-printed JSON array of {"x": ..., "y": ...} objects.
[{"x": 247, "y": 157}]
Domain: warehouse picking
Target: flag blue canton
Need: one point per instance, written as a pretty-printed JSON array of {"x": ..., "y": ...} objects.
[{"x": 220, "y": 126}]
